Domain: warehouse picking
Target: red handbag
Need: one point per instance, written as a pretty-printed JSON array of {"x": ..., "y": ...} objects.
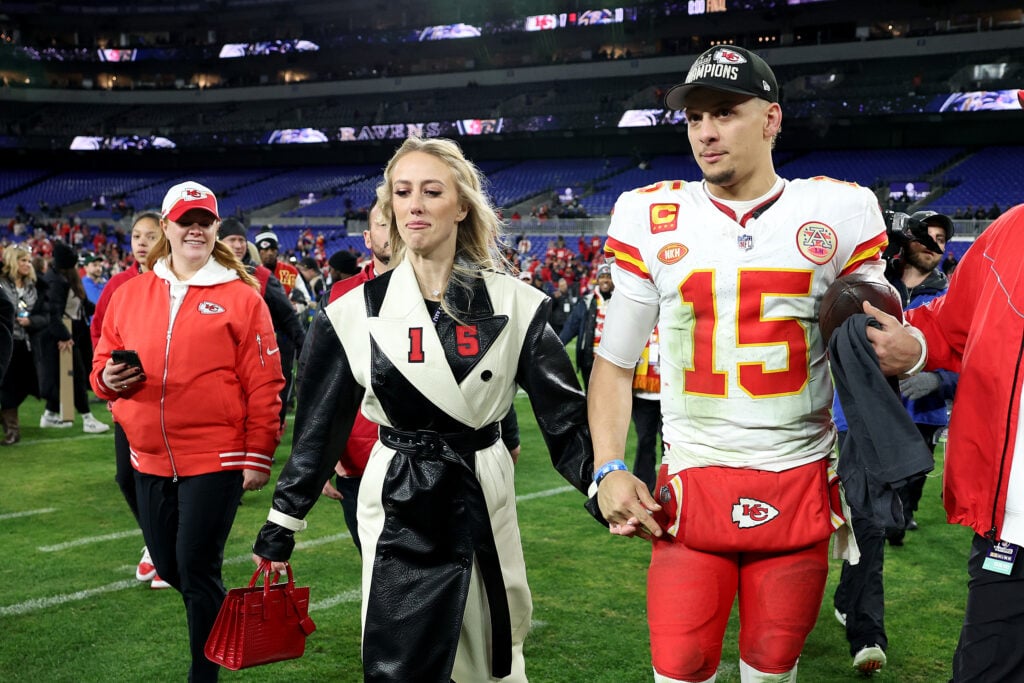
[{"x": 261, "y": 624}]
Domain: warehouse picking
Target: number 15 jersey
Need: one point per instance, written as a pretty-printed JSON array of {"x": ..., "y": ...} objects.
[{"x": 745, "y": 380}]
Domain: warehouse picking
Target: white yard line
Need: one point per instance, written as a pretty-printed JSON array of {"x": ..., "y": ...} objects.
[
  {"x": 88, "y": 540},
  {"x": 36, "y": 604},
  {"x": 26, "y": 513}
]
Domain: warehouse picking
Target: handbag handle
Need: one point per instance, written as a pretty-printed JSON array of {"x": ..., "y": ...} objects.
[{"x": 264, "y": 569}]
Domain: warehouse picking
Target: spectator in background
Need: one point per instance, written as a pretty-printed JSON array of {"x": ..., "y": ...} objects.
[
  {"x": 65, "y": 297},
  {"x": 586, "y": 322},
  {"x": 287, "y": 323},
  {"x": 341, "y": 266},
  {"x": 144, "y": 236},
  {"x": 18, "y": 281},
  {"x": 288, "y": 275},
  {"x": 94, "y": 281},
  {"x": 859, "y": 598},
  {"x": 949, "y": 263},
  {"x": 647, "y": 412},
  {"x": 562, "y": 301},
  {"x": 310, "y": 272},
  {"x": 202, "y": 420}
]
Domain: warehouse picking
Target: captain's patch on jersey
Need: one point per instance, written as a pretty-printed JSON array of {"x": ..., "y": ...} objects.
[
  {"x": 664, "y": 218},
  {"x": 750, "y": 512},
  {"x": 672, "y": 253},
  {"x": 817, "y": 242}
]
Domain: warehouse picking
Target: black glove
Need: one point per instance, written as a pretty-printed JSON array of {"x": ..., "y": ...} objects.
[{"x": 920, "y": 385}]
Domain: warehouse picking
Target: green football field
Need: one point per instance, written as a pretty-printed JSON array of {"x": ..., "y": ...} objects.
[{"x": 72, "y": 610}]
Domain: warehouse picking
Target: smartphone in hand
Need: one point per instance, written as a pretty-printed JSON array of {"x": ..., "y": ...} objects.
[{"x": 131, "y": 358}]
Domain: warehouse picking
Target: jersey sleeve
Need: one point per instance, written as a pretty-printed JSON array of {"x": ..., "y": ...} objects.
[
  {"x": 624, "y": 249},
  {"x": 872, "y": 239}
]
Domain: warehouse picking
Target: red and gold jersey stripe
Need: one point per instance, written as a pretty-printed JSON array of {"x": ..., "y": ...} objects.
[
  {"x": 626, "y": 257},
  {"x": 870, "y": 250}
]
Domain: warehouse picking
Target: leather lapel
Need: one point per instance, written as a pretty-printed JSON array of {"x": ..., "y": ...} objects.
[{"x": 404, "y": 332}]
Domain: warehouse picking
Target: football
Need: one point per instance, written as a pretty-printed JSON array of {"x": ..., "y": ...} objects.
[{"x": 846, "y": 296}]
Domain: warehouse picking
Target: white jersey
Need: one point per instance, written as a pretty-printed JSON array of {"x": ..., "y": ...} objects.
[{"x": 744, "y": 375}]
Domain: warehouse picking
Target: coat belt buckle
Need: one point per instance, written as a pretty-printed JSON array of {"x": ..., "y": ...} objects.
[{"x": 428, "y": 440}]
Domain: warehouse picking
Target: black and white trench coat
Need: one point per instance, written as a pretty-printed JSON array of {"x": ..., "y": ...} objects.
[{"x": 444, "y": 583}]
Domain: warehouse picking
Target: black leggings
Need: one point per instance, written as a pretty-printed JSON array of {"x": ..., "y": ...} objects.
[
  {"x": 125, "y": 474},
  {"x": 186, "y": 525}
]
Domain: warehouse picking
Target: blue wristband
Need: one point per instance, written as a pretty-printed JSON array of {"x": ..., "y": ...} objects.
[{"x": 607, "y": 468}]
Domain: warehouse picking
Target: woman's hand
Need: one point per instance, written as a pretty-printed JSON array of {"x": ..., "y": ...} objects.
[
  {"x": 331, "y": 492},
  {"x": 120, "y": 376},
  {"x": 254, "y": 480},
  {"x": 281, "y": 567},
  {"x": 65, "y": 345}
]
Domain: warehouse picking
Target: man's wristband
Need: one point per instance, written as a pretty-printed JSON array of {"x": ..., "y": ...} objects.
[{"x": 608, "y": 467}]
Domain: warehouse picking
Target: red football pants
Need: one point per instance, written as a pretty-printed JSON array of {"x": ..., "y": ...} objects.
[{"x": 690, "y": 595}]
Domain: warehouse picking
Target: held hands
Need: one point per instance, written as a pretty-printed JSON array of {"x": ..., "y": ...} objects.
[
  {"x": 627, "y": 505},
  {"x": 897, "y": 349},
  {"x": 331, "y": 492}
]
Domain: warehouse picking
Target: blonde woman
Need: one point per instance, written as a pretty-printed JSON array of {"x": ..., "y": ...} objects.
[
  {"x": 18, "y": 282},
  {"x": 433, "y": 351},
  {"x": 200, "y": 408}
]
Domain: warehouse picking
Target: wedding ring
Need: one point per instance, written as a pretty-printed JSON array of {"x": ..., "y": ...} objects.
[{"x": 124, "y": 385}]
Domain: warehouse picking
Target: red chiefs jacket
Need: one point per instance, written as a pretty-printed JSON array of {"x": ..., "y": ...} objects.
[
  {"x": 364, "y": 433},
  {"x": 977, "y": 329},
  {"x": 96, "y": 326},
  {"x": 210, "y": 401}
]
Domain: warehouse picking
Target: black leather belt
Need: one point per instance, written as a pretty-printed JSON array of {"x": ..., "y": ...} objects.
[{"x": 427, "y": 441}]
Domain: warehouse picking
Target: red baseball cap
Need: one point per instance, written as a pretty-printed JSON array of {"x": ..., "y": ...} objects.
[{"x": 186, "y": 196}]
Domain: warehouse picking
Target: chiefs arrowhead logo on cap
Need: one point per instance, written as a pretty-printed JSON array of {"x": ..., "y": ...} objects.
[{"x": 726, "y": 56}]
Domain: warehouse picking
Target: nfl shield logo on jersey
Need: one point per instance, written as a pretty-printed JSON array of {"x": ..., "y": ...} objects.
[
  {"x": 750, "y": 512},
  {"x": 745, "y": 242}
]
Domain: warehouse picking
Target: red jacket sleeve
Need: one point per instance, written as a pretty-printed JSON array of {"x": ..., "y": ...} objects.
[{"x": 259, "y": 371}]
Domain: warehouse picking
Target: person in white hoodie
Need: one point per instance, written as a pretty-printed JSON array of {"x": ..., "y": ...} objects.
[{"x": 202, "y": 418}]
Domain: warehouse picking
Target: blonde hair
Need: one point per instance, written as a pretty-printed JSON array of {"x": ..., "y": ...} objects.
[
  {"x": 222, "y": 254},
  {"x": 10, "y": 268},
  {"x": 476, "y": 241}
]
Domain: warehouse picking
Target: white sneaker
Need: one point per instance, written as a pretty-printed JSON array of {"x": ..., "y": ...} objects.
[
  {"x": 51, "y": 419},
  {"x": 157, "y": 583},
  {"x": 90, "y": 425},
  {"x": 840, "y": 617},
  {"x": 145, "y": 571},
  {"x": 869, "y": 659}
]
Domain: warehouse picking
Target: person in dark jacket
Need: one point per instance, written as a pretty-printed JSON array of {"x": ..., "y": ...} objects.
[
  {"x": 232, "y": 232},
  {"x": 18, "y": 282},
  {"x": 433, "y": 351},
  {"x": 66, "y": 298},
  {"x": 586, "y": 321},
  {"x": 859, "y": 598}
]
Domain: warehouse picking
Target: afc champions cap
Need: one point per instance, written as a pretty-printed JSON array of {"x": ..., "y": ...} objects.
[
  {"x": 728, "y": 68},
  {"x": 187, "y": 196}
]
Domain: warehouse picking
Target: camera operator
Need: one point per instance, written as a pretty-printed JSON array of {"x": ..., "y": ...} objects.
[{"x": 917, "y": 245}]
